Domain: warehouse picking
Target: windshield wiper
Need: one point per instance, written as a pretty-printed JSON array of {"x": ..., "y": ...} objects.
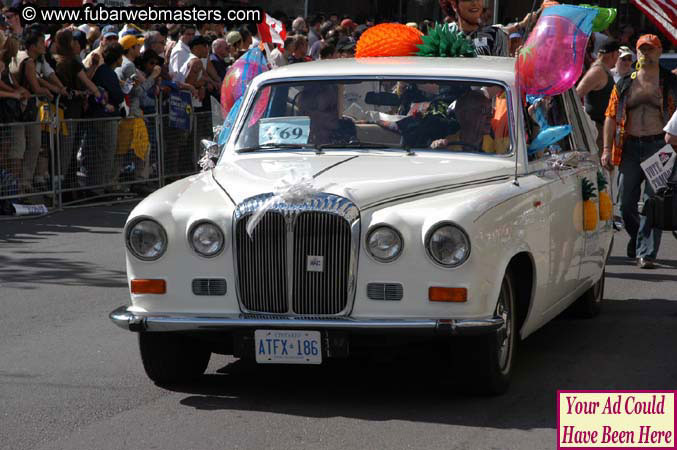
[{"x": 270, "y": 145}]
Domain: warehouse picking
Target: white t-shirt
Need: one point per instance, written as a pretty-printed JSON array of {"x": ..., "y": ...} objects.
[
  {"x": 671, "y": 127},
  {"x": 178, "y": 57}
]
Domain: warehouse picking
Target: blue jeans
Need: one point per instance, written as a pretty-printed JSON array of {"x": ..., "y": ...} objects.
[{"x": 647, "y": 239}]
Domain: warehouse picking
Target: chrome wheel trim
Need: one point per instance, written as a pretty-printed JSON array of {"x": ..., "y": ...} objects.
[{"x": 504, "y": 336}]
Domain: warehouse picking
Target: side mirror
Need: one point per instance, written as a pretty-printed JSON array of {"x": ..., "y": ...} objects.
[{"x": 210, "y": 154}]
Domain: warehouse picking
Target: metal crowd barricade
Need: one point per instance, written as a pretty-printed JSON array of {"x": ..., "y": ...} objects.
[
  {"x": 27, "y": 174},
  {"x": 181, "y": 146},
  {"x": 107, "y": 160},
  {"x": 70, "y": 162}
]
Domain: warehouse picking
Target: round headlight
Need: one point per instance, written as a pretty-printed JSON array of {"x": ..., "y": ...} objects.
[
  {"x": 448, "y": 245},
  {"x": 384, "y": 243},
  {"x": 147, "y": 240},
  {"x": 206, "y": 239}
]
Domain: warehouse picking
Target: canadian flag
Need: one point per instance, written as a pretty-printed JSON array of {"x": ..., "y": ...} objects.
[{"x": 272, "y": 31}]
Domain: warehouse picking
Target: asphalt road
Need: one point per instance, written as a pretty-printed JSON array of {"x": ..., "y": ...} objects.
[{"x": 70, "y": 379}]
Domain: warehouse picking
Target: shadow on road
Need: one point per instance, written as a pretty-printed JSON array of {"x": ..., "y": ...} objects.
[
  {"x": 63, "y": 271},
  {"x": 80, "y": 220},
  {"x": 621, "y": 349}
]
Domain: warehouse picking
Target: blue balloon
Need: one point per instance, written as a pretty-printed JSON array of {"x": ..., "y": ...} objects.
[
  {"x": 230, "y": 121},
  {"x": 549, "y": 136}
]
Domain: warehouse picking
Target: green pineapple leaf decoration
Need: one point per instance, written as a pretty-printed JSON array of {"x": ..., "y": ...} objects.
[
  {"x": 588, "y": 190},
  {"x": 440, "y": 41},
  {"x": 602, "y": 183}
]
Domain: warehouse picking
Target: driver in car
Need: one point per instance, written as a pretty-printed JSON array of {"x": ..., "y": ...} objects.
[
  {"x": 473, "y": 112},
  {"x": 320, "y": 103}
]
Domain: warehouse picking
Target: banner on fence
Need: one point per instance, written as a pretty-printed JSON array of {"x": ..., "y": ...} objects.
[{"x": 180, "y": 108}]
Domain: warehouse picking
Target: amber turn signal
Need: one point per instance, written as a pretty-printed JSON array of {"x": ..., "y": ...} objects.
[
  {"x": 442, "y": 294},
  {"x": 149, "y": 286}
]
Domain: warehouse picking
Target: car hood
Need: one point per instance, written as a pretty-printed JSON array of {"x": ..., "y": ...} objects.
[{"x": 365, "y": 178}]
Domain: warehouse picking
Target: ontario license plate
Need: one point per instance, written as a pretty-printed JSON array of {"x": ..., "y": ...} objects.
[{"x": 288, "y": 347}]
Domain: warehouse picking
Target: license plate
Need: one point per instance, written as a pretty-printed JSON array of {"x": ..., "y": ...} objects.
[{"x": 288, "y": 347}]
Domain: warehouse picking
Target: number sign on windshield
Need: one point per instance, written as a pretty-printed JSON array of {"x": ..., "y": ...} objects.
[{"x": 284, "y": 130}]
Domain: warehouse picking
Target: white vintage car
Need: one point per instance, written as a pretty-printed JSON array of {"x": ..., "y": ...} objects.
[{"x": 356, "y": 200}]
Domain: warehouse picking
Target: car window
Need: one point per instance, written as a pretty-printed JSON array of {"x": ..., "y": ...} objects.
[
  {"x": 583, "y": 140},
  {"x": 547, "y": 112},
  {"x": 435, "y": 115}
]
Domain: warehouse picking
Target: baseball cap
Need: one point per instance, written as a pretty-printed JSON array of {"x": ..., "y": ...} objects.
[
  {"x": 347, "y": 23},
  {"x": 610, "y": 46},
  {"x": 109, "y": 29},
  {"x": 130, "y": 41},
  {"x": 650, "y": 39},
  {"x": 233, "y": 37},
  {"x": 625, "y": 51}
]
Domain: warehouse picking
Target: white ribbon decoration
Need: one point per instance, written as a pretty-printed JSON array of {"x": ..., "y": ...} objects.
[{"x": 292, "y": 189}]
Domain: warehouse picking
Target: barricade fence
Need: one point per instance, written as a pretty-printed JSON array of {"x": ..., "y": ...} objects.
[{"x": 60, "y": 162}]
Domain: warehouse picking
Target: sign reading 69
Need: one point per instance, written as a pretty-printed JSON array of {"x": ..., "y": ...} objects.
[{"x": 284, "y": 130}]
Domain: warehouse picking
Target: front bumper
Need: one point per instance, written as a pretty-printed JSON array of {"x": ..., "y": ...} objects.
[{"x": 161, "y": 322}]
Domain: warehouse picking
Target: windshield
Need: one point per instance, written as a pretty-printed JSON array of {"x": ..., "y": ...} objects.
[{"x": 444, "y": 115}]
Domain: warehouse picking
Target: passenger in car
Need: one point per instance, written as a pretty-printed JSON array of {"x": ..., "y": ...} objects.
[
  {"x": 320, "y": 103},
  {"x": 474, "y": 114}
]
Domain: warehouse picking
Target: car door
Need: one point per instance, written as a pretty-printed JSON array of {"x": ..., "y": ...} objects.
[
  {"x": 565, "y": 218},
  {"x": 597, "y": 241}
]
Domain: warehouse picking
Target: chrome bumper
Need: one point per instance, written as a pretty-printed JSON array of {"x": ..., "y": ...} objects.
[{"x": 131, "y": 321}]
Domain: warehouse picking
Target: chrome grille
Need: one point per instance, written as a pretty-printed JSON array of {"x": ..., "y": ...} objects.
[
  {"x": 326, "y": 235},
  {"x": 272, "y": 271},
  {"x": 209, "y": 286},
  {"x": 385, "y": 291},
  {"x": 261, "y": 265}
]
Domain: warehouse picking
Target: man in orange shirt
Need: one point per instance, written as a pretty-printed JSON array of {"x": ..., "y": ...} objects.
[{"x": 640, "y": 106}]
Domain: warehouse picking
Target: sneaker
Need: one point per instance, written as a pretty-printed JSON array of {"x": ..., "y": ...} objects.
[{"x": 646, "y": 263}]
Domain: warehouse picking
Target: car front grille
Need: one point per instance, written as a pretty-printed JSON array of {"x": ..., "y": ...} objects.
[{"x": 275, "y": 269}]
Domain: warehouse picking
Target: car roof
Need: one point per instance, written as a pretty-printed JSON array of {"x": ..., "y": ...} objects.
[{"x": 482, "y": 67}]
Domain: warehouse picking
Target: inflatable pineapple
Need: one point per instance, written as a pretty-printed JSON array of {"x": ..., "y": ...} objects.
[
  {"x": 389, "y": 39},
  {"x": 590, "y": 213},
  {"x": 605, "y": 206}
]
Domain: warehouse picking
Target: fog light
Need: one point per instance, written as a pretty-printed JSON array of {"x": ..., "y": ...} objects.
[
  {"x": 452, "y": 295},
  {"x": 148, "y": 286}
]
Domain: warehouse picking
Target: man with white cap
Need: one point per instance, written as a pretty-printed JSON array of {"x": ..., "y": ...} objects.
[{"x": 624, "y": 63}]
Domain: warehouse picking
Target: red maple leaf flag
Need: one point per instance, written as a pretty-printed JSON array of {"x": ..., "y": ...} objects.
[
  {"x": 663, "y": 13},
  {"x": 272, "y": 31}
]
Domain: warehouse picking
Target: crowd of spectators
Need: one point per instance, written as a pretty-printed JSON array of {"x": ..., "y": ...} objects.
[{"x": 112, "y": 76}]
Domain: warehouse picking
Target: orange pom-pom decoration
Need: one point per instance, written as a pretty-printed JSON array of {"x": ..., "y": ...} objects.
[{"x": 389, "y": 39}]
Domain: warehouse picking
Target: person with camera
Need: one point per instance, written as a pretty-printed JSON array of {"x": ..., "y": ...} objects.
[{"x": 72, "y": 74}]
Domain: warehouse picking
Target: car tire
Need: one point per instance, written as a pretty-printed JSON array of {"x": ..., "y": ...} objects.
[
  {"x": 489, "y": 359},
  {"x": 589, "y": 304},
  {"x": 171, "y": 358}
]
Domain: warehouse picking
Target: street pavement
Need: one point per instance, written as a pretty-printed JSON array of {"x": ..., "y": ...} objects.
[{"x": 70, "y": 379}]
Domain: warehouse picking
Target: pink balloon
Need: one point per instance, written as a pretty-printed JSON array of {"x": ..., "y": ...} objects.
[{"x": 552, "y": 59}]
